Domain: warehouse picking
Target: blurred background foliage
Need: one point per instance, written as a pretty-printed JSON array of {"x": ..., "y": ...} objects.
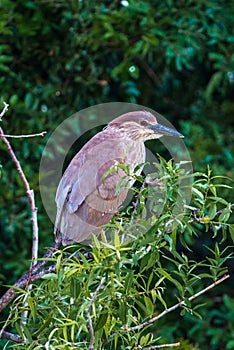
[{"x": 176, "y": 57}]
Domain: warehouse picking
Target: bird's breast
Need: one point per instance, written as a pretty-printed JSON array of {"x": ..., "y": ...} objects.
[{"x": 135, "y": 154}]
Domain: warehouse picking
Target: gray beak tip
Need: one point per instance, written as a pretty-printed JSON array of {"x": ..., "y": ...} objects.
[{"x": 165, "y": 130}]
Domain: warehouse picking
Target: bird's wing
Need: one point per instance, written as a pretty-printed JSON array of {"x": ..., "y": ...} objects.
[
  {"x": 86, "y": 197},
  {"x": 68, "y": 183},
  {"x": 84, "y": 176}
]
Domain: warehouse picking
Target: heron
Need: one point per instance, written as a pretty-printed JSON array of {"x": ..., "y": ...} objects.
[{"x": 86, "y": 196}]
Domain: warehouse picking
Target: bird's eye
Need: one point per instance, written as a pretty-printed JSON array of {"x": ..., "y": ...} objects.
[{"x": 144, "y": 123}]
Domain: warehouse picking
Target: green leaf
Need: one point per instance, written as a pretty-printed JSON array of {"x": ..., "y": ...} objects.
[
  {"x": 212, "y": 211},
  {"x": 5, "y": 58},
  {"x": 119, "y": 69},
  {"x": 122, "y": 311},
  {"x": 218, "y": 200},
  {"x": 231, "y": 231},
  {"x": 198, "y": 193},
  {"x": 129, "y": 281},
  {"x": 159, "y": 297},
  {"x": 101, "y": 321},
  {"x": 31, "y": 304},
  {"x": 213, "y": 84},
  {"x": 224, "y": 216},
  {"x": 26, "y": 332},
  {"x": 28, "y": 100},
  {"x": 169, "y": 277},
  {"x": 149, "y": 305}
]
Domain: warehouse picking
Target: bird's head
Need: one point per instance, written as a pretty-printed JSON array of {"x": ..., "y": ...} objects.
[{"x": 141, "y": 126}]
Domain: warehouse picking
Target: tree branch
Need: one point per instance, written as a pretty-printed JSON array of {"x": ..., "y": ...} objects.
[
  {"x": 5, "y": 109},
  {"x": 152, "y": 320},
  {"x": 43, "y": 133},
  {"x": 162, "y": 346},
  {"x": 29, "y": 192},
  {"x": 11, "y": 336}
]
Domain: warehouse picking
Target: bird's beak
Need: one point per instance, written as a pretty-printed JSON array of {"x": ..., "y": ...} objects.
[{"x": 164, "y": 130}]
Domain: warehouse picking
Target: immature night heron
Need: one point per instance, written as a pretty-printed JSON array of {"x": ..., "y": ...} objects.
[{"x": 86, "y": 196}]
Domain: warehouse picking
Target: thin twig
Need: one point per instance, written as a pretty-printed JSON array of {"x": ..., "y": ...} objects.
[
  {"x": 222, "y": 210},
  {"x": 5, "y": 325},
  {"x": 191, "y": 208},
  {"x": 5, "y": 109},
  {"x": 87, "y": 310},
  {"x": 162, "y": 346},
  {"x": 43, "y": 133},
  {"x": 201, "y": 220},
  {"x": 154, "y": 319}
]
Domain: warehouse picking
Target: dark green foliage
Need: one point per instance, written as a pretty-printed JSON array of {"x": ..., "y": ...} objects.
[{"x": 172, "y": 56}]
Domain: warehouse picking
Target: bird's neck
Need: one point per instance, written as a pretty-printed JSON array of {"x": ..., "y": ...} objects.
[{"x": 128, "y": 135}]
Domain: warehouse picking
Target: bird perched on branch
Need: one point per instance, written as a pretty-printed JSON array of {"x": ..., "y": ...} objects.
[{"x": 87, "y": 199}]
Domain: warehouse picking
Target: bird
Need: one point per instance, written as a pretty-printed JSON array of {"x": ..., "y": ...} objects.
[{"x": 86, "y": 196}]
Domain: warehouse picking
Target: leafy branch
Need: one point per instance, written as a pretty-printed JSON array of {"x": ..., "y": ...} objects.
[{"x": 174, "y": 307}]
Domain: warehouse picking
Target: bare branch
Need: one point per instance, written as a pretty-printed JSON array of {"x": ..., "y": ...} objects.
[
  {"x": 43, "y": 133},
  {"x": 154, "y": 319},
  {"x": 87, "y": 310},
  {"x": 29, "y": 192},
  {"x": 162, "y": 346}
]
